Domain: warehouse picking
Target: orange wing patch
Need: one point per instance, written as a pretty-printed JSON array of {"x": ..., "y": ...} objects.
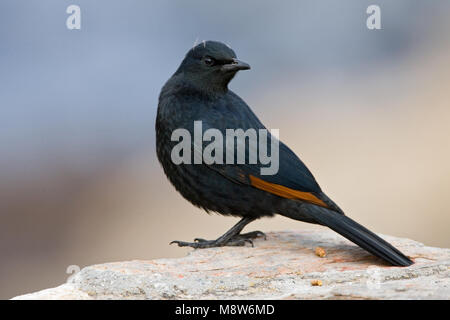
[{"x": 285, "y": 192}]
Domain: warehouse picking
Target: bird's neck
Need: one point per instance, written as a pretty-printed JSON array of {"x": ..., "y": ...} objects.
[{"x": 210, "y": 89}]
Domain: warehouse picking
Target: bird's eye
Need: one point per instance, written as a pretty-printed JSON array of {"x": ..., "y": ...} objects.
[{"x": 209, "y": 61}]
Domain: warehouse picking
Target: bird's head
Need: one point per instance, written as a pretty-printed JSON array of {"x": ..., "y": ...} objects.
[{"x": 210, "y": 65}]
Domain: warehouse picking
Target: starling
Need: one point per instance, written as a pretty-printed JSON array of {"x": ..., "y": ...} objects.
[{"x": 198, "y": 92}]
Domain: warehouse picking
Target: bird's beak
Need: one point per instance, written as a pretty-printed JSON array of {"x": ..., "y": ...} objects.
[{"x": 236, "y": 65}]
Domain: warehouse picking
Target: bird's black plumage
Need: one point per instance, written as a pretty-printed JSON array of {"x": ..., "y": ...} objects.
[{"x": 198, "y": 91}]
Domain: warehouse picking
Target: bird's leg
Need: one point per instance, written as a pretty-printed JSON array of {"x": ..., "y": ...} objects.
[{"x": 232, "y": 237}]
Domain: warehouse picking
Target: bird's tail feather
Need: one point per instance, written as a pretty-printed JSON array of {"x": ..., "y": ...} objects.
[{"x": 360, "y": 235}]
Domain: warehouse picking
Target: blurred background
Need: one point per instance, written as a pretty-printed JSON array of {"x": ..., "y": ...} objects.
[{"x": 367, "y": 110}]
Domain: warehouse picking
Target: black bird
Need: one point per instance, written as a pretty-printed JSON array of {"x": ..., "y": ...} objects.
[{"x": 198, "y": 91}]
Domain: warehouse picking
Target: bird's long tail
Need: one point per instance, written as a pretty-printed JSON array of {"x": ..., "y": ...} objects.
[{"x": 360, "y": 235}]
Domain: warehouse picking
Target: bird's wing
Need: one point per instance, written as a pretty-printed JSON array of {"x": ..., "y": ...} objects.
[{"x": 293, "y": 180}]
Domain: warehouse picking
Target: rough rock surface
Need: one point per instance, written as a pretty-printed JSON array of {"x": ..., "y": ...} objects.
[{"x": 285, "y": 266}]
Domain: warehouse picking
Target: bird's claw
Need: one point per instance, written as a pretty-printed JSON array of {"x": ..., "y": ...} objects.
[
  {"x": 237, "y": 241},
  {"x": 180, "y": 243},
  {"x": 253, "y": 235}
]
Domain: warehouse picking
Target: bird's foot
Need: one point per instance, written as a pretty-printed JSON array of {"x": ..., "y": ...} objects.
[
  {"x": 238, "y": 240},
  {"x": 202, "y": 243}
]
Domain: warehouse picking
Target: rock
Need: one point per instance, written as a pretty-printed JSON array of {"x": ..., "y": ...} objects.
[{"x": 285, "y": 266}]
